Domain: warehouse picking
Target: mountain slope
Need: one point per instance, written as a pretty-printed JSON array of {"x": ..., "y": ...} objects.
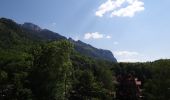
[
  {"x": 92, "y": 51},
  {"x": 14, "y": 34},
  {"x": 43, "y": 34}
]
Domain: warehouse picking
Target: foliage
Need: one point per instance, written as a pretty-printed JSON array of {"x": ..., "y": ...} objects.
[{"x": 51, "y": 72}]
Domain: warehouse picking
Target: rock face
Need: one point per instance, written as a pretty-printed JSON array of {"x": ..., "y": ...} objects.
[
  {"x": 43, "y": 34},
  {"x": 31, "y": 32},
  {"x": 31, "y": 26}
]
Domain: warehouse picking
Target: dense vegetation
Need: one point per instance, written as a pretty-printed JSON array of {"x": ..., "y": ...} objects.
[
  {"x": 154, "y": 76},
  {"x": 46, "y": 72},
  {"x": 36, "y": 69}
]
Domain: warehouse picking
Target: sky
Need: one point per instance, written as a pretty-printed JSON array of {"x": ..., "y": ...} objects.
[{"x": 134, "y": 30}]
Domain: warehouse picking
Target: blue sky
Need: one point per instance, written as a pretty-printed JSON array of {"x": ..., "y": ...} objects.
[{"x": 134, "y": 30}]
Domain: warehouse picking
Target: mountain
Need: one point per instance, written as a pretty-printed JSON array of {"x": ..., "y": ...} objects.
[
  {"x": 43, "y": 34},
  {"x": 31, "y": 26},
  {"x": 14, "y": 34},
  {"x": 92, "y": 51}
]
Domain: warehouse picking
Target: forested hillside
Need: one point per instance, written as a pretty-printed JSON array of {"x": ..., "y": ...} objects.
[
  {"x": 13, "y": 34},
  {"x": 35, "y": 68}
]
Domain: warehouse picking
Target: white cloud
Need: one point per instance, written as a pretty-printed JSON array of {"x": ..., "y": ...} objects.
[
  {"x": 132, "y": 56},
  {"x": 116, "y": 8},
  {"x": 108, "y": 6},
  {"x": 128, "y": 56},
  {"x": 96, "y": 35},
  {"x": 126, "y": 53},
  {"x": 129, "y": 60},
  {"x": 130, "y": 10}
]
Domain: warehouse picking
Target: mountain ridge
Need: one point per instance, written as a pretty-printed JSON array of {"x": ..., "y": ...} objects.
[{"x": 34, "y": 32}]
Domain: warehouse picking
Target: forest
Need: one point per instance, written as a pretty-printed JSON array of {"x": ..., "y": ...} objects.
[
  {"x": 54, "y": 71},
  {"x": 32, "y": 69}
]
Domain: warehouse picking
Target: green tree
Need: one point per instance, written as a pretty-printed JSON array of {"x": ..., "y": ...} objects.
[
  {"x": 86, "y": 87},
  {"x": 158, "y": 86},
  {"x": 14, "y": 72},
  {"x": 52, "y": 71}
]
